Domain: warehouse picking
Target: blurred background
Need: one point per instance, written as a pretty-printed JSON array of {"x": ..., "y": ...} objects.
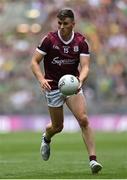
[{"x": 22, "y": 25}]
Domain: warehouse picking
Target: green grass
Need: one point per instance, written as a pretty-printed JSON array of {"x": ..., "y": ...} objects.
[{"x": 20, "y": 157}]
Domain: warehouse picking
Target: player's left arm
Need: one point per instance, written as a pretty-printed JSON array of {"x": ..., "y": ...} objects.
[{"x": 84, "y": 68}]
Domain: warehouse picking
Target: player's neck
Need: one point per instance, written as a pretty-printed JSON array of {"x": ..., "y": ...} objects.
[{"x": 67, "y": 37}]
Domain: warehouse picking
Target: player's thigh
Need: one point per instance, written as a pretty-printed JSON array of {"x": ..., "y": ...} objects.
[
  {"x": 56, "y": 114},
  {"x": 77, "y": 105}
]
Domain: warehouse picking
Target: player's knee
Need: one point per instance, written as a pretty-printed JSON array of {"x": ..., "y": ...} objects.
[
  {"x": 58, "y": 129},
  {"x": 83, "y": 121}
]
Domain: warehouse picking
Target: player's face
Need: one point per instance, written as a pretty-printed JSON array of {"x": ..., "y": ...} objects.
[{"x": 65, "y": 26}]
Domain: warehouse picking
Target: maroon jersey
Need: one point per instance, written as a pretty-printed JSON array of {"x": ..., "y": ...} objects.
[{"x": 62, "y": 57}]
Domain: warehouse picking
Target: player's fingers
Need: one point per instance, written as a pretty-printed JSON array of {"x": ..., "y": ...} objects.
[
  {"x": 80, "y": 85},
  {"x": 49, "y": 80},
  {"x": 78, "y": 78},
  {"x": 47, "y": 86},
  {"x": 78, "y": 90}
]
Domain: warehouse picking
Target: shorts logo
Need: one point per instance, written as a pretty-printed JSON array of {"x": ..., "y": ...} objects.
[{"x": 76, "y": 48}]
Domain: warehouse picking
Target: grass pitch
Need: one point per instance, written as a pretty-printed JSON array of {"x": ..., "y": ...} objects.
[{"x": 20, "y": 157}]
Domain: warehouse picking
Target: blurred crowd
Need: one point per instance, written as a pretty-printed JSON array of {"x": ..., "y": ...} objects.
[{"x": 22, "y": 25}]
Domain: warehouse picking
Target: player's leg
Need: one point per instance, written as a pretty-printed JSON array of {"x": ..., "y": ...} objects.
[
  {"x": 77, "y": 105},
  {"x": 56, "y": 126},
  {"x": 55, "y": 105},
  {"x": 55, "y": 102}
]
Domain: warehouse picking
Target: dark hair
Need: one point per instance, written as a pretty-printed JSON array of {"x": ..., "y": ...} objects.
[{"x": 62, "y": 14}]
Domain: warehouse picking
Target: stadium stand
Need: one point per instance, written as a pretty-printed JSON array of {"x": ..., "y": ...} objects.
[{"x": 24, "y": 22}]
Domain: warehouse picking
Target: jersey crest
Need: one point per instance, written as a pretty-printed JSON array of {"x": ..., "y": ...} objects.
[{"x": 76, "y": 48}]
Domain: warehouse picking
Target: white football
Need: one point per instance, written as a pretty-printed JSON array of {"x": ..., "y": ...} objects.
[{"x": 68, "y": 84}]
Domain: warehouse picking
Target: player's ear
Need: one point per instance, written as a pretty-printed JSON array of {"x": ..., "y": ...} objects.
[{"x": 73, "y": 23}]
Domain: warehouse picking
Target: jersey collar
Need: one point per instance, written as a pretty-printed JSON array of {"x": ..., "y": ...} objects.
[{"x": 66, "y": 42}]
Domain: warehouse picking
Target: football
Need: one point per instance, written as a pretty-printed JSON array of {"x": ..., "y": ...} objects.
[{"x": 68, "y": 84}]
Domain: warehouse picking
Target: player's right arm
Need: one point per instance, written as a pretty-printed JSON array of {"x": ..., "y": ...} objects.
[{"x": 39, "y": 74}]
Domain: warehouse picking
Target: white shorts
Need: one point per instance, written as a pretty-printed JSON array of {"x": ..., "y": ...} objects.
[{"x": 55, "y": 98}]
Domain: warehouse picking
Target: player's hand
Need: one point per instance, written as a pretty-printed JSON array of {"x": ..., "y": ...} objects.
[
  {"x": 80, "y": 85},
  {"x": 79, "y": 88},
  {"x": 45, "y": 84}
]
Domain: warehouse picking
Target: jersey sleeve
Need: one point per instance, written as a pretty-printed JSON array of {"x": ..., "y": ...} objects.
[
  {"x": 44, "y": 46},
  {"x": 84, "y": 48}
]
